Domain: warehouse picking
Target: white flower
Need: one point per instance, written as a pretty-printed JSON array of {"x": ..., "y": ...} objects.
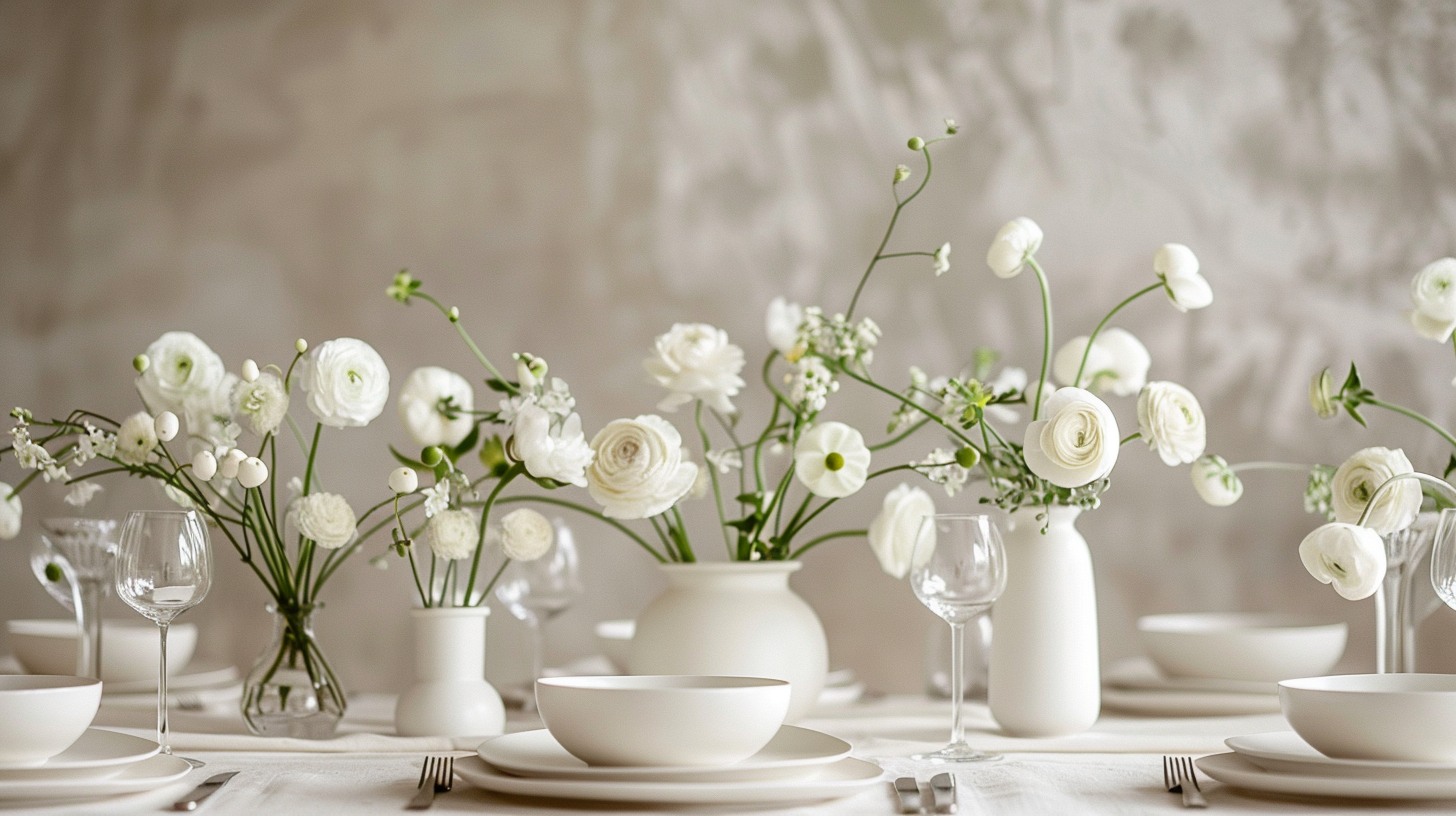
[
  {"x": 831, "y": 460},
  {"x": 179, "y": 497},
  {"x": 1177, "y": 267},
  {"x": 1322, "y": 396},
  {"x": 452, "y": 534},
  {"x": 1215, "y": 482},
  {"x": 435, "y": 405},
  {"x": 701, "y": 485},
  {"x": 900, "y": 527},
  {"x": 1077, "y": 442},
  {"x": 725, "y": 460},
  {"x": 403, "y": 480},
  {"x": 1118, "y": 363},
  {"x": 261, "y": 402},
  {"x": 204, "y": 465},
  {"x": 252, "y": 472},
  {"x": 695, "y": 361},
  {"x": 437, "y": 498},
  {"x": 1171, "y": 421},
  {"x": 181, "y": 367},
  {"x": 1010, "y": 380},
  {"x": 166, "y": 426},
  {"x": 81, "y": 493},
  {"x": 811, "y": 383},
  {"x": 782, "y": 325},
  {"x": 530, "y": 370},
  {"x": 136, "y": 438},
  {"x": 209, "y": 416},
  {"x": 942, "y": 262},
  {"x": 525, "y": 535},
  {"x": 250, "y": 370},
  {"x": 1357, "y": 480},
  {"x": 942, "y": 468},
  {"x": 326, "y": 518},
  {"x": 1433, "y": 291},
  {"x": 551, "y": 453},
  {"x": 1349, "y": 557},
  {"x": 346, "y": 382},
  {"x": 10, "y": 512},
  {"x": 638, "y": 470},
  {"x": 1018, "y": 240}
]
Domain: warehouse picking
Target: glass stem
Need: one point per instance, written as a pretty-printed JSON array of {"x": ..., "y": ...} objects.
[
  {"x": 87, "y": 597},
  {"x": 162, "y": 692},
  {"x": 957, "y": 681}
]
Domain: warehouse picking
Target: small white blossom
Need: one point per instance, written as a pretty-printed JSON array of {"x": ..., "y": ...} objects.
[
  {"x": 1014, "y": 243},
  {"x": 437, "y": 498},
  {"x": 781, "y": 324},
  {"x": 942, "y": 468},
  {"x": 136, "y": 439},
  {"x": 1177, "y": 267},
  {"x": 261, "y": 402},
  {"x": 942, "y": 260},
  {"x": 81, "y": 493},
  {"x": 725, "y": 460},
  {"x": 10, "y": 512},
  {"x": 811, "y": 384},
  {"x": 181, "y": 368},
  {"x": 832, "y": 460}
]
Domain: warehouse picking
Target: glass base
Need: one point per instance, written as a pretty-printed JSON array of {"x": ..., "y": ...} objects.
[{"x": 957, "y": 752}]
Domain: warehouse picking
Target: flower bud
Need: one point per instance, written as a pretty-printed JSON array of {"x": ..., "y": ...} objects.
[
  {"x": 454, "y": 314},
  {"x": 916, "y": 143},
  {"x": 380, "y": 562},
  {"x": 228, "y": 465},
  {"x": 301, "y": 345},
  {"x": 901, "y": 173},
  {"x": 204, "y": 465},
  {"x": 166, "y": 426},
  {"x": 252, "y": 472},
  {"x": 404, "y": 480},
  {"x": 250, "y": 371},
  {"x": 1321, "y": 395},
  {"x": 968, "y": 457},
  {"x": 141, "y": 363},
  {"x": 951, "y": 128},
  {"x": 431, "y": 456},
  {"x": 530, "y": 370}
]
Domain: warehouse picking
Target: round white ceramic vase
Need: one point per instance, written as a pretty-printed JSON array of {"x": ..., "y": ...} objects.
[
  {"x": 1045, "y": 679},
  {"x": 450, "y": 696},
  {"x": 734, "y": 619}
]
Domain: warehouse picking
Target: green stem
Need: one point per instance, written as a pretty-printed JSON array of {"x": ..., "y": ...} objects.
[
  {"x": 899, "y": 205},
  {"x": 1417, "y": 417},
  {"x": 684, "y": 546},
  {"x": 899, "y": 437},
  {"x": 515, "y": 470},
  {"x": 1130, "y": 437},
  {"x": 474, "y": 349},
  {"x": 922, "y": 409},
  {"x": 1269, "y": 466},
  {"x": 1389, "y": 483},
  {"x": 1077, "y": 381},
  {"x": 713, "y": 476},
  {"x": 318, "y": 430},
  {"x": 485, "y": 593},
  {"x": 1046, "y": 346},
  {"x": 827, "y": 537}
]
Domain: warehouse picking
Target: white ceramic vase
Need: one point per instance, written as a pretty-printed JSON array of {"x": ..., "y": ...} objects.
[
  {"x": 734, "y": 619},
  {"x": 1045, "y": 679},
  {"x": 450, "y": 696}
]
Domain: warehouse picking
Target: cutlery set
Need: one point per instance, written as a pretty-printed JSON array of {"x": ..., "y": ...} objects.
[{"x": 942, "y": 798}]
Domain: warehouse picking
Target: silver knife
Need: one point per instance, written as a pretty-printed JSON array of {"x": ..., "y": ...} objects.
[
  {"x": 206, "y": 789},
  {"x": 909, "y": 792},
  {"x": 943, "y": 790}
]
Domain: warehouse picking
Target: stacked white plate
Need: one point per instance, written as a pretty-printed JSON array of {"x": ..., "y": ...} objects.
[
  {"x": 797, "y": 765},
  {"x": 1136, "y": 686},
  {"x": 1282, "y": 762},
  {"x": 100, "y": 763}
]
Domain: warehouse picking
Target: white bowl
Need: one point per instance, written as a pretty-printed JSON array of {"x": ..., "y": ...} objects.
[
  {"x": 615, "y": 639},
  {"x": 1242, "y": 645},
  {"x": 1399, "y": 717},
  {"x": 662, "y": 720},
  {"x": 129, "y": 651},
  {"x": 41, "y": 715}
]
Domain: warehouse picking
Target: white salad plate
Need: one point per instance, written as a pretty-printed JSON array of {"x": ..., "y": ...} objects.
[
  {"x": 98, "y": 753},
  {"x": 846, "y": 777},
  {"x": 1143, "y": 673},
  {"x": 1287, "y": 752},
  {"x": 149, "y": 774},
  {"x": 198, "y": 674},
  {"x": 1187, "y": 703},
  {"x": 1239, "y": 772},
  {"x": 793, "y": 753}
]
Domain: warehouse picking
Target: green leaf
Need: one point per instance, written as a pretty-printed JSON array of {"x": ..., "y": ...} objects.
[
  {"x": 408, "y": 462},
  {"x": 466, "y": 444},
  {"x": 496, "y": 384},
  {"x": 1354, "y": 413},
  {"x": 1450, "y": 466},
  {"x": 1352, "y": 380}
]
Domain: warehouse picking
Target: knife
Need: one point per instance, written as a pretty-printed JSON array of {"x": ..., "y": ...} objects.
[
  {"x": 943, "y": 791},
  {"x": 206, "y": 789},
  {"x": 909, "y": 792}
]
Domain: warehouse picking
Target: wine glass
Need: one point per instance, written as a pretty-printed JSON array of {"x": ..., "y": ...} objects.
[
  {"x": 163, "y": 568},
  {"x": 537, "y": 591},
  {"x": 1443, "y": 558},
  {"x": 958, "y": 569},
  {"x": 75, "y": 561}
]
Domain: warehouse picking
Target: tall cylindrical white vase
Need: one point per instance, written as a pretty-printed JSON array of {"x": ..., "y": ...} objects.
[
  {"x": 450, "y": 696},
  {"x": 1045, "y": 679}
]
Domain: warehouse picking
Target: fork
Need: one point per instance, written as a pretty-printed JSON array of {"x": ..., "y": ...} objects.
[
  {"x": 1180, "y": 777},
  {"x": 437, "y": 776}
]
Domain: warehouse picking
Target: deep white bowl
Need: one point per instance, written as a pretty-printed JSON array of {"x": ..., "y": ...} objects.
[
  {"x": 1398, "y": 717},
  {"x": 1242, "y": 645},
  {"x": 659, "y": 720},
  {"x": 615, "y": 639},
  {"x": 129, "y": 651},
  {"x": 41, "y": 715}
]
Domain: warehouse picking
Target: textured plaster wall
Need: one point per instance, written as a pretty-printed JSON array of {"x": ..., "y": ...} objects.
[{"x": 578, "y": 176}]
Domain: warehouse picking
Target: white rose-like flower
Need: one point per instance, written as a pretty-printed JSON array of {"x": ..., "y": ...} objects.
[
  {"x": 1177, "y": 267},
  {"x": 136, "y": 438},
  {"x": 1347, "y": 556},
  {"x": 1018, "y": 240},
  {"x": 695, "y": 361},
  {"x": 1433, "y": 292},
  {"x": 452, "y": 534},
  {"x": 326, "y": 518},
  {"x": 1356, "y": 481},
  {"x": 1215, "y": 482},
  {"x": 638, "y": 470},
  {"x": 10, "y": 512},
  {"x": 900, "y": 527},
  {"x": 831, "y": 459},
  {"x": 424, "y": 391},
  {"x": 1077, "y": 442},
  {"x": 1118, "y": 363},
  {"x": 525, "y": 535},
  {"x": 782, "y": 324},
  {"x": 260, "y": 403},
  {"x": 346, "y": 382},
  {"x": 181, "y": 367},
  {"x": 1171, "y": 421},
  {"x": 561, "y": 454}
]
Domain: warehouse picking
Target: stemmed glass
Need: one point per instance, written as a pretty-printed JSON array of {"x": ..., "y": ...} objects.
[
  {"x": 537, "y": 591},
  {"x": 1443, "y": 558},
  {"x": 163, "y": 567},
  {"x": 75, "y": 561},
  {"x": 958, "y": 569}
]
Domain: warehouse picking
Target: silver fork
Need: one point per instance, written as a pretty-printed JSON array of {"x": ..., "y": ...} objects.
[
  {"x": 1179, "y": 777},
  {"x": 437, "y": 776}
]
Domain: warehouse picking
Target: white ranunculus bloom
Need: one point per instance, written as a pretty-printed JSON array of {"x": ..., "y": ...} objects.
[
  {"x": 695, "y": 361},
  {"x": 1433, "y": 292},
  {"x": 551, "y": 453},
  {"x": 10, "y": 512},
  {"x": 421, "y": 399},
  {"x": 452, "y": 534},
  {"x": 136, "y": 439},
  {"x": 525, "y": 535},
  {"x": 326, "y": 518},
  {"x": 1177, "y": 267},
  {"x": 900, "y": 526},
  {"x": 1347, "y": 556},
  {"x": 782, "y": 325},
  {"x": 260, "y": 403},
  {"x": 831, "y": 459},
  {"x": 1215, "y": 482},
  {"x": 1018, "y": 240},
  {"x": 181, "y": 368},
  {"x": 1118, "y": 363},
  {"x": 639, "y": 469},
  {"x": 1355, "y": 482},
  {"x": 1077, "y": 442},
  {"x": 346, "y": 381},
  {"x": 1171, "y": 421}
]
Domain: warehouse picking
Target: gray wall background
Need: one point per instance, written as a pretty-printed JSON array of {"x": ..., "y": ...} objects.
[{"x": 578, "y": 176}]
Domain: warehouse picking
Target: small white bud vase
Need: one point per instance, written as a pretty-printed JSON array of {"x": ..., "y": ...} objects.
[
  {"x": 1045, "y": 679},
  {"x": 450, "y": 696},
  {"x": 734, "y": 619}
]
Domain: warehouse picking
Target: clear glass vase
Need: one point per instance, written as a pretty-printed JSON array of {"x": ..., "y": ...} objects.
[
  {"x": 291, "y": 690},
  {"x": 1395, "y": 602}
]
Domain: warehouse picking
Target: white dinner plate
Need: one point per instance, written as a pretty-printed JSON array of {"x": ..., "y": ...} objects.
[
  {"x": 198, "y": 674},
  {"x": 1239, "y": 772},
  {"x": 98, "y": 753},
  {"x": 1142, "y": 673},
  {"x": 846, "y": 777},
  {"x": 793, "y": 753},
  {"x": 1286, "y": 752},
  {"x": 149, "y": 774},
  {"x": 1187, "y": 703}
]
